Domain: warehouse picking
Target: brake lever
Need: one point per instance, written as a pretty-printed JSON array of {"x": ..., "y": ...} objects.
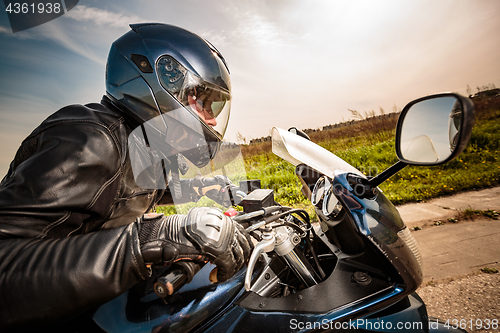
[{"x": 265, "y": 245}]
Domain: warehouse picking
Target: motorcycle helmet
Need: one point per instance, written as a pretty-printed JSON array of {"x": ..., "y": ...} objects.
[{"x": 176, "y": 87}]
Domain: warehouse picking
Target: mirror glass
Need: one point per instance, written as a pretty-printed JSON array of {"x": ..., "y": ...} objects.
[{"x": 430, "y": 130}]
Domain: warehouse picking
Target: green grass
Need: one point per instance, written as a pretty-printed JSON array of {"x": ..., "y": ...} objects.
[
  {"x": 469, "y": 214},
  {"x": 489, "y": 270}
]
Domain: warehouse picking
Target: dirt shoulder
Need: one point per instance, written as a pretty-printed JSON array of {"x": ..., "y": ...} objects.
[{"x": 472, "y": 300}]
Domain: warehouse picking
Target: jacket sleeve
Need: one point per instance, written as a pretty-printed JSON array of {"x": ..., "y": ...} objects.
[
  {"x": 61, "y": 180},
  {"x": 47, "y": 281}
]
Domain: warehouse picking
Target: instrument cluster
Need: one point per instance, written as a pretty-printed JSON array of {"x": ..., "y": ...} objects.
[{"x": 324, "y": 200}]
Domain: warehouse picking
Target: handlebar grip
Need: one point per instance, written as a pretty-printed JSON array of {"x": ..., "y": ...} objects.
[{"x": 175, "y": 277}]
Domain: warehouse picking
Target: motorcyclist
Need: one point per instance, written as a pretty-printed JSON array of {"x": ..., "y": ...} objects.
[{"x": 72, "y": 235}]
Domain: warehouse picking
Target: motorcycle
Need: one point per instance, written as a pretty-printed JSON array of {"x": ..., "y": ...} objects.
[{"x": 356, "y": 269}]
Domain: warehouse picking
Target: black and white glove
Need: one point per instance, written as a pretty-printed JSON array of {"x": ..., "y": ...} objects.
[
  {"x": 219, "y": 188},
  {"x": 204, "y": 234}
]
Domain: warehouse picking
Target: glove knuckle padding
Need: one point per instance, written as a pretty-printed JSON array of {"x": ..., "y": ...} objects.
[
  {"x": 203, "y": 234},
  {"x": 211, "y": 230},
  {"x": 217, "y": 235}
]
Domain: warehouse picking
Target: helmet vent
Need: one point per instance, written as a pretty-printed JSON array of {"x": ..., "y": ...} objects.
[{"x": 142, "y": 63}]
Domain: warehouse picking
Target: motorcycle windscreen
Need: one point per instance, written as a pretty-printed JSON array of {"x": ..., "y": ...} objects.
[
  {"x": 298, "y": 150},
  {"x": 227, "y": 162},
  {"x": 169, "y": 150}
]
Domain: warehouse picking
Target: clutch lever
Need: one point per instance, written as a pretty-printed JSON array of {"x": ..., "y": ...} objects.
[{"x": 265, "y": 245}]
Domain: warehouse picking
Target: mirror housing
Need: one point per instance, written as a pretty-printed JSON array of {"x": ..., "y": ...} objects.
[
  {"x": 435, "y": 129},
  {"x": 298, "y": 132}
]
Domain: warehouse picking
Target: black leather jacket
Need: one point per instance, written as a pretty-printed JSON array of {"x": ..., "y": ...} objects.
[{"x": 68, "y": 241}]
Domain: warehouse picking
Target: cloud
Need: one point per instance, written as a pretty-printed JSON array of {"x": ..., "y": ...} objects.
[
  {"x": 262, "y": 31},
  {"x": 254, "y": 29},
  {"x": 80, "y": 41},
  {"x": 76, "y": 45},
  {"x": 57, "y": 33},
  {"x": 102, "y": 17},
  {"x": 26, "y": 34}
]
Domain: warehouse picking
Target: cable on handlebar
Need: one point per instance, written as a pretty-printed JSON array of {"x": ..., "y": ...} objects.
[{"x": 303, "y": 214}]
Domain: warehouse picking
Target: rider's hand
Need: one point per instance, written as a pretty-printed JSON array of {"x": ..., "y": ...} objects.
[
  {"x": 219, "y": 188},
  {"x": 204, "y": 234}
]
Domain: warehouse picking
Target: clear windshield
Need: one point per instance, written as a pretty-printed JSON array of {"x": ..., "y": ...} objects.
[
  {"x": 228, "y": 162},
  {"x": 298, "y": 150}
]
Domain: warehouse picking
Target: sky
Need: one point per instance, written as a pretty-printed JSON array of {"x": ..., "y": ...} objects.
[{"x": 292, "y": 63}]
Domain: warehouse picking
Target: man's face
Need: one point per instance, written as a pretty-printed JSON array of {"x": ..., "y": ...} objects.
[{"x": 203, "y": 109}]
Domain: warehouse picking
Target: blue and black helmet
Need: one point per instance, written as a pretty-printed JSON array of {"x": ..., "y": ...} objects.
[{"x": 159, "y": 73}]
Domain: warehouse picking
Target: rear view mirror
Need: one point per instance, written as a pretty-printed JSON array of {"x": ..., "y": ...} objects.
[{"x": 435, "y": 129}]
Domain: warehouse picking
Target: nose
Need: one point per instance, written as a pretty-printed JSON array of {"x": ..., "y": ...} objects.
[
  {"x": 202, "y": 112},
  {"x": 209, "y": 119}
]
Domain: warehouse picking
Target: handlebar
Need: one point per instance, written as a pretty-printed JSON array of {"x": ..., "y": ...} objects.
[
  {"x": 182, "y": 272},
  {"x": 175, "y": 277}
]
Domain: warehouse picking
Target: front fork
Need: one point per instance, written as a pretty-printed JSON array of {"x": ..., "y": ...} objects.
[{"x": 283, "y": 242}]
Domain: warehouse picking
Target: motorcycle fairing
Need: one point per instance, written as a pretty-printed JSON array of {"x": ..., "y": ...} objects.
[
  {"x": 379, "y": 221},
  {"x": 409, "y": 309}
]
